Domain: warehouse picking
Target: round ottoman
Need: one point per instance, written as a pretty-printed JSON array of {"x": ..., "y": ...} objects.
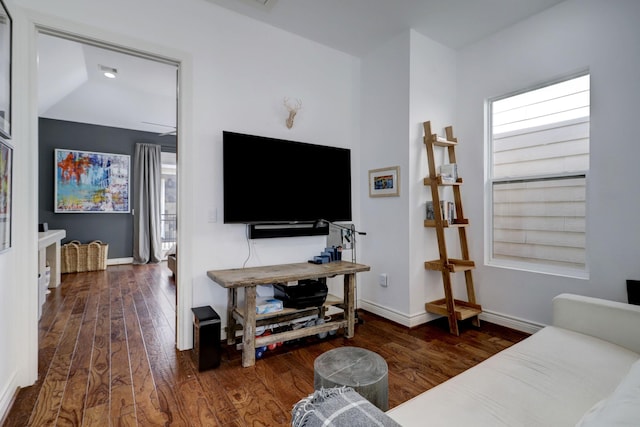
[{"x": 363, "y": 370}]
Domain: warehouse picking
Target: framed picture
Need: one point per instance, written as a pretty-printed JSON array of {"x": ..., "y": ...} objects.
[
  {"x": 88, "y": 182},
  {"x": 5, "y": 72},
  {"x": 6, "y": 165},
  {"x": 384, "y": 182}
]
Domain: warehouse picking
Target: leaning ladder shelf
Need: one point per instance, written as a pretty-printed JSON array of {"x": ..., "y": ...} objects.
[{"x": 454, "y": 309}]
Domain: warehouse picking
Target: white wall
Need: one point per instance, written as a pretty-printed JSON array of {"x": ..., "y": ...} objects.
[
  {"x": 575, "y": 35},
  {"x": 385, "y": 136},
  {"x": 8, "y": 371},
  {"x": 238, "y": 73},
  {"x": 18, "y": 266},
  {"x": 405, "y": 81},
  {"x": 432, "y": 98}
]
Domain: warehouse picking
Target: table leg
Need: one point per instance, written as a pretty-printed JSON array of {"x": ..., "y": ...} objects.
[
  {"x": 42, "y": 262},
  {"x": 232, "y": 303},
  {"x": 349, "y": 304},
  {"x": 53, "y": 256},
  {"x": 42, "y": 268},
  {"x": 249, "y": 332}
]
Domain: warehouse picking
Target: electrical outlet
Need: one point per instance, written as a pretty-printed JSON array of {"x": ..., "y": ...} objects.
[{"x": 383, "y": 280}]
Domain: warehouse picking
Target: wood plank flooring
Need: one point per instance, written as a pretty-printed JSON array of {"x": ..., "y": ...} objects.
[{"x": 108, "y": 358}]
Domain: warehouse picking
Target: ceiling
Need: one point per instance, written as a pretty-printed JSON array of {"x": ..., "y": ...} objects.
[
  {"x": 358, "y": 26},
  {"x": 143, "y": 96},
  {"x": 71, "y": 86}
]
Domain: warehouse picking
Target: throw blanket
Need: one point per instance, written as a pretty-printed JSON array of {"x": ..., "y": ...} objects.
[{"x": 339, "y": 407}]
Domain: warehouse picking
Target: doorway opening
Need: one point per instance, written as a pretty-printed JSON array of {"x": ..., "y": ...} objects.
[{"x": 136, "y": 102}]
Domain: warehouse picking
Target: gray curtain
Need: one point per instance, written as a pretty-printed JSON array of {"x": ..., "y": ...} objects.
[{"x": 147, "y": 247}]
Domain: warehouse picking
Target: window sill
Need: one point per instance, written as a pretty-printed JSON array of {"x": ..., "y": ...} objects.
[{"x": 551, "y": 270}]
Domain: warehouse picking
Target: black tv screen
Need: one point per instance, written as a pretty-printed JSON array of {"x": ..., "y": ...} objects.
[{"x": 275, "y": 181}]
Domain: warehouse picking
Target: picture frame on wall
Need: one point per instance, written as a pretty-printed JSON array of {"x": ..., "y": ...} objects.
[
  {"x": 5, "y": 71},
  {"x": 384, "y": 182},
  {"x": 6, "y": 171},
  {"x": 91, "y": 182}
]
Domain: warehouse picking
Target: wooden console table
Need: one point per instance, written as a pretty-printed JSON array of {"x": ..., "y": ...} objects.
[{"x": 249, "y": 278}]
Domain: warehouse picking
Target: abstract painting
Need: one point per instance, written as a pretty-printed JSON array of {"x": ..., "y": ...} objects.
[
  {"x": 88, "y": 182},
  {"x": 6, "y": 162}
]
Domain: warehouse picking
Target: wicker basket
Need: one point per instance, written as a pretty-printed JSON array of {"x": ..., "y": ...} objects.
[{"x": 77, "y": 257}]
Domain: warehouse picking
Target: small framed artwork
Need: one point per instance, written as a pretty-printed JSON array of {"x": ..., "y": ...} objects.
[
  {"x": 88, "y": 182},
  {"x": 5, "y": 72},
  {"x": 384, "y": 182},
  {"x": 6, "y": 164}
]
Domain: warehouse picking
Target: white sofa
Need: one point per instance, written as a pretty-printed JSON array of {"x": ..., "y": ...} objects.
[{"x": 584, "y": 370}]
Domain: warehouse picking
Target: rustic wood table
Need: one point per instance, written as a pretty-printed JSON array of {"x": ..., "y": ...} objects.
[{"x": 249, "y": 278}]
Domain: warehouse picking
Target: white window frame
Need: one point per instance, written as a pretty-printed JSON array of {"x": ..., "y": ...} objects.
[{"x": 524, "y": 266}]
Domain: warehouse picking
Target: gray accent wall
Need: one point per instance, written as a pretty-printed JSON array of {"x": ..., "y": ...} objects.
[{"x": 116, "y": 229}]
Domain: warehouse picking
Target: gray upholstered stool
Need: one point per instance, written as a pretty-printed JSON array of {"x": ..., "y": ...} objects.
[{"x": 365, "y": 371}]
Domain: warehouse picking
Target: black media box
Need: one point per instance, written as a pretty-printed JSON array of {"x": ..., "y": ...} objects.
[
  {"x": 307, "y": 293},
  {"x": 206, "y": 338}
]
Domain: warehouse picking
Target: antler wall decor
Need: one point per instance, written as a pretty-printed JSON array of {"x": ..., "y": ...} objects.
[{"x": 293, "y": 110}]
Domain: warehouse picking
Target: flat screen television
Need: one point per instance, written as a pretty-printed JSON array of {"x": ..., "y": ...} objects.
[{"x": 276, "y": 181}]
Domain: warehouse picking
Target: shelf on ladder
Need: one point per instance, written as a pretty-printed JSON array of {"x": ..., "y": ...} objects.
[{"x": 454, "y": 309}]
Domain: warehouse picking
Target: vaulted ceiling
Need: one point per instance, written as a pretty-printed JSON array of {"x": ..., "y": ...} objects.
[
  {"x": 72, "y": 86},
  {"x": 357, "y": 26}
]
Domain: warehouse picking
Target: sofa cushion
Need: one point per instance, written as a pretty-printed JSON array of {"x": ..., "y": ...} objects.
[
  {"x": 622, "y": 408},
  {"x": 550, "y": 378}
]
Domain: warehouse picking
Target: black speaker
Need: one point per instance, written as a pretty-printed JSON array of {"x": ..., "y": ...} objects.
[
  {"x": 206, "y": 338},
  {"x": 633, "y": 291},
  {"x": 43, "y": 227}
]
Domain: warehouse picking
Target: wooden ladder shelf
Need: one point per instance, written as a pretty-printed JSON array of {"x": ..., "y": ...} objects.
[{"x": 448, "y": 306}]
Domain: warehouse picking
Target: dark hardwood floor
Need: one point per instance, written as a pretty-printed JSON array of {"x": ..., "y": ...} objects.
[{"x": 107, "y": 357}]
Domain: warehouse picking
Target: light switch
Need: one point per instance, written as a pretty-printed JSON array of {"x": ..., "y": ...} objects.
[{"x": 213, "y": 215}]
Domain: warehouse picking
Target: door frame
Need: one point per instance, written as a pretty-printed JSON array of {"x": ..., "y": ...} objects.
[{"x": 26, "y": 42}]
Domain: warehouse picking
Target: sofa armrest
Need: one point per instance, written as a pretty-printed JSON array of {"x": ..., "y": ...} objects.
[{"x": 611, "y": 321}]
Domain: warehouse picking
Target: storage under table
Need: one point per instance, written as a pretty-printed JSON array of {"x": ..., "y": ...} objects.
[{"x": 245, "y": 315}]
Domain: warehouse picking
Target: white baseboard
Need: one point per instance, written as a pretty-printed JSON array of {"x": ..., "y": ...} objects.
[
  {"x": 416, "y": 320},
  {"x": 118, "y": 261},
  {"x": 396, "y": 316},
  {"x": 7, "y": 395},
  {"x": 511, "y": 322}
]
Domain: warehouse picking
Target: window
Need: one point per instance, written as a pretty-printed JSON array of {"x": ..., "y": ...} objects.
[
  {"x": 539, "y": 159},
  {"x": 168, "y": 201}
]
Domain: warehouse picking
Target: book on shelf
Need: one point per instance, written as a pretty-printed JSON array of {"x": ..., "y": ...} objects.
[
  {"x": 447, "y": 208},
  {"x": 449, "y": 172}
]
